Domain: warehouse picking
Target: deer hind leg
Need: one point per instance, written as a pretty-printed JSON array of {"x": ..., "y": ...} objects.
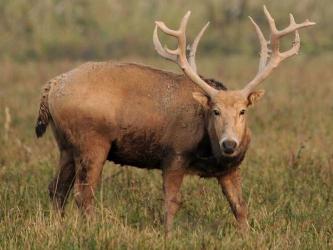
[
  {"x": 89, "y": 161},
  {"x": 173, "y": 175},
  {"x": 232, "y": 188},
  {"x": 62, "y": 183}
]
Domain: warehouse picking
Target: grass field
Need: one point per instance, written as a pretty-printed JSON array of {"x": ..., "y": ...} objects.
[{"x": 288, "y": 172}]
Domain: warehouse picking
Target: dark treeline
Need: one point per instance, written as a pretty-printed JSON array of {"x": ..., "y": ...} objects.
[{"x": 53, "y": 29}]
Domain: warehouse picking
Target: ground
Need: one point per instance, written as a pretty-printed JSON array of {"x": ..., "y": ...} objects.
[{"x": 288, "y": 171}]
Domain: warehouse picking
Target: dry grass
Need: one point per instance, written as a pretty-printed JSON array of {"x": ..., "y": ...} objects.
[{"x": 288, "y": 172}]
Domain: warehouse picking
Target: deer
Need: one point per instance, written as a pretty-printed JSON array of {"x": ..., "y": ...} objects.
[{"x": 137, "y": 115}]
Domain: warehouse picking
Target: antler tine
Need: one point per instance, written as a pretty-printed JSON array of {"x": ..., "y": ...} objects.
[
  {"x": 264, "y": 51},
  {"x": 193, "y": 47},
  {"x": 160, "y": 50},
  {"x": 179, "y": 54},
  {"x": 295, "y": 48},
  {"x": 168, "y": 54},
  {"x": 276, "y": 57}
]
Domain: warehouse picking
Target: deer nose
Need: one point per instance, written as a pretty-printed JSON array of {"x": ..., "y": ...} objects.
[{"x": 229, "y": 146}]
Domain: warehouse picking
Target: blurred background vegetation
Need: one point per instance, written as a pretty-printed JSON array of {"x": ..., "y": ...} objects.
[{"x": 103, "y": 29}]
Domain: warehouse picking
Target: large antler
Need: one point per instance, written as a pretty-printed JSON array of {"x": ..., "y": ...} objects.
[
  {"x": 271, "y": 58},
  {"x": 179, "y": 55}
]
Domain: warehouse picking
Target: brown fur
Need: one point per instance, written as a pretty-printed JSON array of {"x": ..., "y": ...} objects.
[{"x": 140, "y": 116}]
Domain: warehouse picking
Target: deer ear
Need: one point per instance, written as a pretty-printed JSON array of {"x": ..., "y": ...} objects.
[
  {"x": 254, "y": 97},
  {"x": 201, "y": 98}
]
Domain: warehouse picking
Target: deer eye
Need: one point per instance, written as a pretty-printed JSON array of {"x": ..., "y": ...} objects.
[
  {"x": 216, "y": 112},
  {"x": 242, "y": 112}
]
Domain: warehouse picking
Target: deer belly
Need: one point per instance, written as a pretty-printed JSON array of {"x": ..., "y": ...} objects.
[{"x": 143, "y": 151}]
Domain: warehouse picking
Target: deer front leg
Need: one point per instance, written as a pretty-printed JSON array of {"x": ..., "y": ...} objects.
[
  {"x": 231, "y": 185},
  {"x": 173, "y": 174}
]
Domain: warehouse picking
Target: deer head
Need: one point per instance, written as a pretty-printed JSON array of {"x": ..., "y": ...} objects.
[{"x": 226, "y": 110}]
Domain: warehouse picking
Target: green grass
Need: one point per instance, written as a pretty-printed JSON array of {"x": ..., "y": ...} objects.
[{"x": 288, "y": 172}]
